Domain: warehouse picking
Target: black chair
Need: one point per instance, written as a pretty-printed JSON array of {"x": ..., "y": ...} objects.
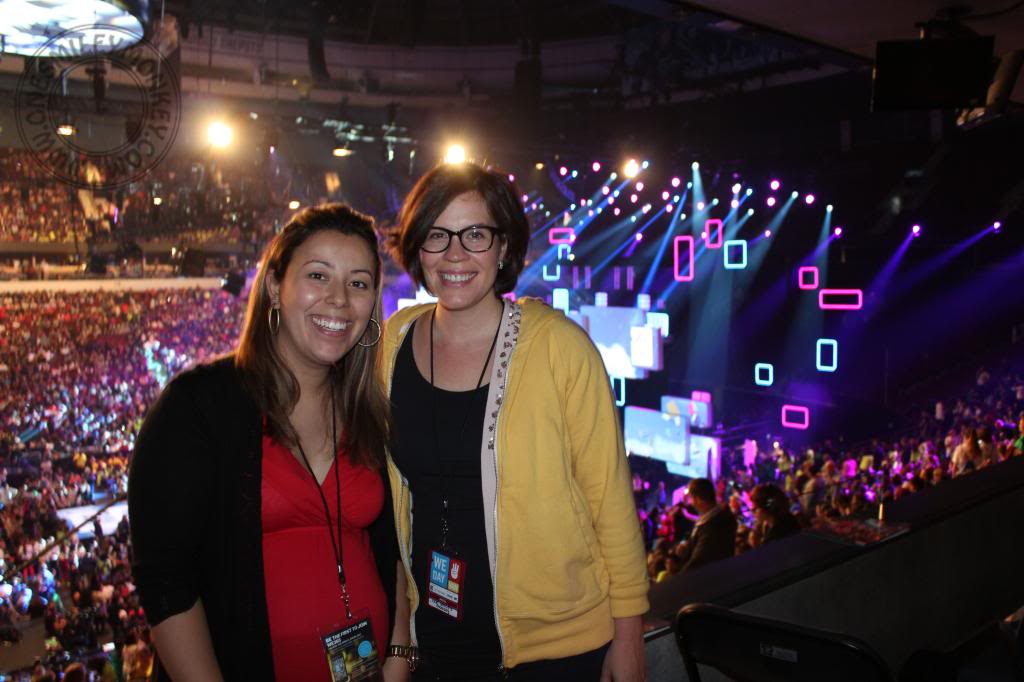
[{"x": 752, "y": 649}]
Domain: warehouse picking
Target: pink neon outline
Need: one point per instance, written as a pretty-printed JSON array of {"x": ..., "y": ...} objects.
[
  {"x": 700, "y": 397},
  {"x": 796, "y": 425},
  {"x": 675, "y": 258},
  {"x": 570, "y": 232},
  {"x": 708, "y": 224},
  {"x": 800, "y": 277},
  {"x": 822, "y": 293}
]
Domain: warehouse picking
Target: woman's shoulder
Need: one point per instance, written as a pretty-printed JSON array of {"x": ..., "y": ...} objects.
[
  {"x": 206, "y": 376},
  {"x": 542, "y": 322}
]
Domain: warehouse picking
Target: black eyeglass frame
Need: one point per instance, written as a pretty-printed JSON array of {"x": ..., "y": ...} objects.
[{"x": 494, "y": 231}]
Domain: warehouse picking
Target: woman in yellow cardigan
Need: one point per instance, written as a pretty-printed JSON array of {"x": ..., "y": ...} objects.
[{"x": 525, "y": 561}]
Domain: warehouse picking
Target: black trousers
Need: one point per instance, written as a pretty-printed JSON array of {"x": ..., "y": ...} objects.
[{"x": 585, "y": 667}]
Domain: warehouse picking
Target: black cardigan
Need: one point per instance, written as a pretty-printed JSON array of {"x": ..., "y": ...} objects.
[{"x": 194, "y": 501}]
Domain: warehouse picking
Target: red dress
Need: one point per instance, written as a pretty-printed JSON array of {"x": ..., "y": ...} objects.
[{"x": 300, "y": 573}]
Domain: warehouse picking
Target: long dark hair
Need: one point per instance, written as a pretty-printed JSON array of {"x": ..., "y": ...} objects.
[{"x": 358, "y": 395}]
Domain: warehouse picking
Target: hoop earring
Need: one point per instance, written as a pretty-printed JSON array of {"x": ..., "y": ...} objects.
[
  {"x": 380, "y": 332},
  {"x": 274, "y": 321}
]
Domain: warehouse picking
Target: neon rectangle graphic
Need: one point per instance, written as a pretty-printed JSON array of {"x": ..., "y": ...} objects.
[
  {"x": 764, "y": 374},
  {"x": 802, "y": 279},
  {"x": 564, "y": 250},
  {"x": 700, "y": 397},
  {"x": 787, "y": 420},
  {"x": 715, "y": 243},
  {"x": 834, "y": 364},
  {"x": 560, "y": 299},
  {"x": 823, "y": 294},
  {"x": 675, "y": 256},
  {"x": 561, "y": 235},
  {"x": 630, "y": 276},
  {"x": 729, "y": 245},
  {"x": 549, "y": 277}
]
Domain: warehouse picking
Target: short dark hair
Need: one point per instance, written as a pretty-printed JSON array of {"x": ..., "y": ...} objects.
[
  {"x": 703, "y": 489},
  {"x": 431, "y": 196}
]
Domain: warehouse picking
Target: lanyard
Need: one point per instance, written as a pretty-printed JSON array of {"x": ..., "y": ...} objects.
[
  {"x": 462, "y": 429},
  {"x": 335, "y": 544}
]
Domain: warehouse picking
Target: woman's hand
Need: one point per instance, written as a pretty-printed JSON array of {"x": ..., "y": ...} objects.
[
  {"x": 396, "y": 669},
  {"x": 626, "y": 660}
]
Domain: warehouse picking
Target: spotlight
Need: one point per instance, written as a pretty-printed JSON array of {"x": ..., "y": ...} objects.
[
  {"x": 511, "y": 178},
  {"x": 736, "y": 188},
  {"x": 639, "y": 187},
  {"x": 795, "y": 194},
  {"x": 639, "y": 236},
  {"x": 631, "y": 169},
  {"x": 574, "y": 174},
  {"x": 563, "y": 171},
  {"x": 632, "y": 218},
  {"x": 750, "y": 211},
  {"x": 775, "y": 184},
  {"x": 616, "y": 211},
  {"x": 595, "y": 166},
  {"x": 749, "y": 192},
  {"x": 668, "y": 208},
  {"x": 700, "y": 205},
  {"x": 916, "y": 230},
  {"x": 689, "y": 185},
  {"x": 770, "y": 201},
  {"x": 829, "y": 208},
  {"x": 157, "y": 201},
  {"x": 633, "y": 198},
  {"x": 809, "y": 199},
  {"x": 996, "y": 226},
  {"x": 539, "y": 165},
  {"x": 66, "y": 130},
  {"x": 767, "y": 234},
  {"x": 342, "y": 151},
  {"x": 664, "y": 195},
  {"x": 455, "y": 153},
  {"x": 734, "y": 203},
  {"x": 694, "y": 165},
  {"x": 611, "y": 199},
  {"x": 838, "y": 232},
  {"x": 293, "y": 204},
  {"x": 605, "y": 190},
  {"x": 219, "y": 134},
  {"x": 675, "y": 182},
  {"x": 714, "y": 202},
  {"x": 645, "y": 164}
]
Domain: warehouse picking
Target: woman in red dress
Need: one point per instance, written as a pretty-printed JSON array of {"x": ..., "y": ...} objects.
[{"x": 255, "y": 495}]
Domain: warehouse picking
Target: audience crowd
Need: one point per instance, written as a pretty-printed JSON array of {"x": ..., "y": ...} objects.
[
  {"x": 766, "y": 493},
  {"x": 77, "y": 372}
]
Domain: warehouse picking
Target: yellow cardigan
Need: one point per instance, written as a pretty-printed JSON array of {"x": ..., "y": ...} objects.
[{"x": 562, "y": 531}]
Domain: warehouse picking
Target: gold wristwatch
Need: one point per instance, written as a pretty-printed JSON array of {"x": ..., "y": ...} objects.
[{"x": 411, "y": 655}]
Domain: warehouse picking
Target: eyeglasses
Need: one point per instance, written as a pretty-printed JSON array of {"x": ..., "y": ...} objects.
[{"x": 475, "y": 238}]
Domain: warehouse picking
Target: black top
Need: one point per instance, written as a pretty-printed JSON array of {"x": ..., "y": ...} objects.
[
  {"x": 195, "y": 509},
  {"x": 469, "y": 647}
]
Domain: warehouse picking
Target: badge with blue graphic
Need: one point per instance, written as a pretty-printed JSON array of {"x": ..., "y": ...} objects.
[
  {"x": 445, "y": 584},
  {"x": 352, "y": 653}
]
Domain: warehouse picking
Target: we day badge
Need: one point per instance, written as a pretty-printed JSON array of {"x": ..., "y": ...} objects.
[{"x": 445, "y": 586}]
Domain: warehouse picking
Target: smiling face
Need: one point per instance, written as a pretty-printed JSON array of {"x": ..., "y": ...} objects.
[
  {"x": 463, "y": 280},
  {"x": 326, "y": 298}
]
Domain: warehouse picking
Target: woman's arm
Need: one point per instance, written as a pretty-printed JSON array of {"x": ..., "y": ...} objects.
[
  {"x": 186, "y": 652},
  {"x": 600, "y": 467},
  {"x": 396, "y": 669},
  {"x": 626, "y": 660}
]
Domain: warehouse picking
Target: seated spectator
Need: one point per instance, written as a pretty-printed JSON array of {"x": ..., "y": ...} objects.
[
  {"x": 714, "y": 535},
  {"x": 773, "y": 520}
]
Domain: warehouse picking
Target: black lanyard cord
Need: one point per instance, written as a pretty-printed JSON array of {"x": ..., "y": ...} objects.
[
  {"x": 335, "y": 544},
  {"x": 462, "y": 429}
]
